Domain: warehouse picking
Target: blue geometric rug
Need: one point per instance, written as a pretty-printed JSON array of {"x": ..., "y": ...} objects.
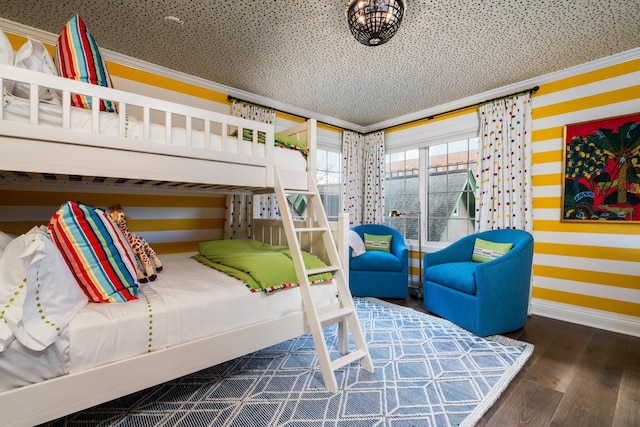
[{"x": 427, "y": 372}]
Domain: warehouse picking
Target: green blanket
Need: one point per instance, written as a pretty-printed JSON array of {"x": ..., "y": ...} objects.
[
  {"x": 261, "y": 266},
  {"x": 280, "y": 140}
]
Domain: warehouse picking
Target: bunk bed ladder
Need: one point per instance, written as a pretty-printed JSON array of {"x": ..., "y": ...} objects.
[{"x": 345, "y": 316}]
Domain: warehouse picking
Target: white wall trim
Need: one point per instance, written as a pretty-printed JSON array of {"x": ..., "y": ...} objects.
[{"x": 614, "y": 322}]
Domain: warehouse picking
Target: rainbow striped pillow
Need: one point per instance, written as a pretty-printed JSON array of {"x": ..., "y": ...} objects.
[
  {"x": 96, "y": 251},
  {"x": 78, "y": 58}
]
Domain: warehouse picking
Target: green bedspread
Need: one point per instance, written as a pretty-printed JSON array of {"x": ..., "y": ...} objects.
[{"x": 262, "y": 267}]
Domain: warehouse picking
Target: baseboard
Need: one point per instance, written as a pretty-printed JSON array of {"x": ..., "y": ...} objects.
[{"x": 614, "y": 322}]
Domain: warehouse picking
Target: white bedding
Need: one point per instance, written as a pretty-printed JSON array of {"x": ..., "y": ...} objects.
[
  {"x": 188, "y": 301},
  {"x": 50, "y": 114}
]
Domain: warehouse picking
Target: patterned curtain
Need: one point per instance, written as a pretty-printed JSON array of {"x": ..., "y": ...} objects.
[
  {"x": 239, "y": 207},
  {"x": 237, "y": 218},
  {"x": 503, "y": 178},
  {"x": 374, "y": 178},
  {"x": 352, "y": 178},
  {"x": 253, "y": 112},
  {"x": 363, "y": 177}
]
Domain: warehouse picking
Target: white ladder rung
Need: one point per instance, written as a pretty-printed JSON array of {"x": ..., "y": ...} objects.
[
  {"x": 334, "y": 315},
  {"x": 327, "y": 269},
  {"x": 309, "y": 229},
  {"x": 347, "y": 358},
  {"x": 300, "y": 192}
]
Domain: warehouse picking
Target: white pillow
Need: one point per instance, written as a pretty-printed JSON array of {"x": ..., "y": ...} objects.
[
  {"x": 6, "y": 58},
  {"x": 39, "y": 294},
  {"x": 5, "y": 238},
  {"x": 34, "y": 56},
  {"x": 356, "y": 243},
  {"x": 6, "y": 50}
]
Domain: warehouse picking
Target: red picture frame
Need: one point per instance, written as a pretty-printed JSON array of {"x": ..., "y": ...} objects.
[{"x": 602, "y": 170}]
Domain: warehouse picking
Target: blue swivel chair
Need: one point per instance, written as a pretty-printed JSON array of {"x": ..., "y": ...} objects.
[
  {"x": 486, "y": 298},
  {"x": 380, "y": 274}
]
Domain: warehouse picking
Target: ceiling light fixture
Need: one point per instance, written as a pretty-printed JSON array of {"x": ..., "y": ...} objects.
[{"x": 374, "y": 22}]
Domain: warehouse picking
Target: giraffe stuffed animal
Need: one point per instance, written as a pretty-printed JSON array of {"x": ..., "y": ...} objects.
[{"x": 140, "y": 247}]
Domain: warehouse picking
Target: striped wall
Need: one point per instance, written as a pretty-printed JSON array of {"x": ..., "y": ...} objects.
[
  {"x": 586, "y": 273},
  {"x": 171, "y": 223}
]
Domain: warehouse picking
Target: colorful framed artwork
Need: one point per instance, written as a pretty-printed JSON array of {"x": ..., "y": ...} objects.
[{"x": 602, "y": 170}]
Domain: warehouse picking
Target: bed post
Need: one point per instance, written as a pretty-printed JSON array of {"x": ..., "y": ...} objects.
[
  {"x": 312, "y": 143},
  {"x": 342, "y": 241}
]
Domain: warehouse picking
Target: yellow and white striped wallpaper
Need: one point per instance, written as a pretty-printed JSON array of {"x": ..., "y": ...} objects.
[
  {"x": 171, "y": 223},
  {"x": 588, "y": 273}
]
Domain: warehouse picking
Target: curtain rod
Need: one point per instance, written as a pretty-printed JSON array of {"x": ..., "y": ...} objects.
[
  {"x": 233, "y": 98},
  {"x": 433, "y": 116},
  {"x": 532, "y": 90}
]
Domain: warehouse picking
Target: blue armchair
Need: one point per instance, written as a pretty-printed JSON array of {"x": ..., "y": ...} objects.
[
  {"x": 380, "y": 274},
  {"x": 486, "y": 298}
]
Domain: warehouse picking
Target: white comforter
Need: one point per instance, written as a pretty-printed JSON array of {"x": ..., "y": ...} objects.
[{"x": 188, "y": 301}]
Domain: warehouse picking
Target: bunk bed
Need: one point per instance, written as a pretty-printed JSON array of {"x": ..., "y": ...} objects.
[{"x": 150, "y": 143}]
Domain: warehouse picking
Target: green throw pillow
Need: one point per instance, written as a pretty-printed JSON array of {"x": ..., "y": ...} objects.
[
  {"x": 374, "y": 242},
  {"x": 485, "y": 250}
]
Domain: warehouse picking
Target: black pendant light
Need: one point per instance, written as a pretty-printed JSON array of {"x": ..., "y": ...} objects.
[{"x": 374, "y": 22}]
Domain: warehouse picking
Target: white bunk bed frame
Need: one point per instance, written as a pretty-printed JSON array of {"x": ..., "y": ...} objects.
[{"x": 34, "y": 149}]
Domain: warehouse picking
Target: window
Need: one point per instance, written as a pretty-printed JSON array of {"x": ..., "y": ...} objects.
[
  {"x": 329, "y": 180},
  {"x": 442, "y": 176},
  {"x": 451, "y": 195},
  {"x": 402, "y": 192}
]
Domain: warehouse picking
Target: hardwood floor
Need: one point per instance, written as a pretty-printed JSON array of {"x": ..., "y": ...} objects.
[{"x": 576, "y": 376}]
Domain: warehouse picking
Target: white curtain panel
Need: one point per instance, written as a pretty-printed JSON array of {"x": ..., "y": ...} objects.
[
  {"x": 266, "y": 206},
  {"x": 253, "y": 112},
  {"x": 237, "y": 218},
  {"x": 374, "y": 178},
  {"x": 352, "y": 176},
  {"x": 503, "y": 176},
  {"x": 239, "y": 207},
  {"x": 363, "y": 177}
]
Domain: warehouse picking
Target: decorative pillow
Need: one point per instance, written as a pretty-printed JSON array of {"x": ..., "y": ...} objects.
[
  {"x": 38, "y": 293},
  {"x": 356, "y": 243},
  {"x": 247, "y": 135},
  {"x": 78, "y": 57},
  {"x": 96, "y": 251},
  {"x": 485, "y": 250},
  {"x": 374, "y": 242},
  {"x": 34, "y": 56}
]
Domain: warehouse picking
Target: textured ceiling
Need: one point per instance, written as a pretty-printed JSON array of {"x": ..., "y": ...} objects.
[{"x": 301, "y": 53}]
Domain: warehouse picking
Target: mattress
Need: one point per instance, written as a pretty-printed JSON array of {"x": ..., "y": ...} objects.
[
  {"x": 186, "y": 302},
  {"x": 50, "y": 115}
]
